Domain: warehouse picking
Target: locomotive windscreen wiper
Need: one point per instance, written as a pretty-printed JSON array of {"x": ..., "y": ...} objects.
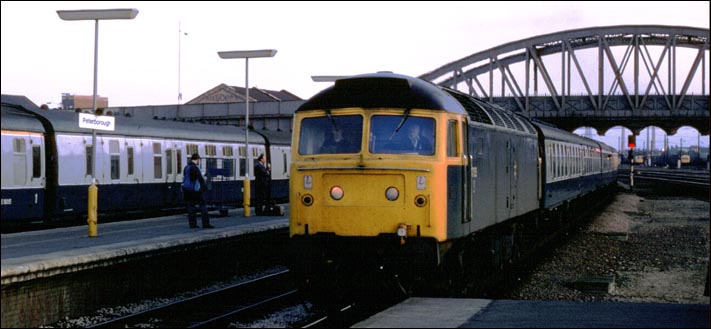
[
  {"x": 402, "y": 122},
  {"x": 333, "y": 122}
]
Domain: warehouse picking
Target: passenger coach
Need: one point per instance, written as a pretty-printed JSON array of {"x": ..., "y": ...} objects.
[{"x": 46, "y": 161}]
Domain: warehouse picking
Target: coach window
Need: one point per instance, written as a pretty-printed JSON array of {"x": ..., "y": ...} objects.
[
  {"x": 191, "y": 149},
  {"x": 115, "y": 159},
  {"x": 228, "y": 163},
  {"x": 558, "y": 161},
  {"x": 129, "y": 156},
  {"x": 168, "y": 162},
  {"x": 210, "y": 154},
  {"x": 157, "y": 161},
  {"x": 255, "y": 153},
  {"x": 178, "y": 161},
  {"x": 242, "y": 160},
  {"x": 566, "y": 160},
  {"x": 19, "y": 161},
  {"x": 36, "y": 161}
]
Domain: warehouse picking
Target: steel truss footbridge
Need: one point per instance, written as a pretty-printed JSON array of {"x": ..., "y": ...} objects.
[{"x": 631, "y": 75}]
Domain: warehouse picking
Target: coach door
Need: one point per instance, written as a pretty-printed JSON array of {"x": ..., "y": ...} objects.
[
  {"x": 468, "y": 178},
  {"x": 171, "y": 169},
  {"x": 134, "y": 171},
  {"x": 172, "y": 179},
  {"x": 505, "y": 179},
  {"x": 513, "y": 178}
]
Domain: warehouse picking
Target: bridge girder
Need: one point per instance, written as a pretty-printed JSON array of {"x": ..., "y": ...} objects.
[
  {"x": 602, "y": 125},
  {"x": 648, "y": 88}
]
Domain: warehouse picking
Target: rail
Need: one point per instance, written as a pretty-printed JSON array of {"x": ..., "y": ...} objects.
[
  {"x": 216, "y": 308},
  {"x": 698, "y": 178}
]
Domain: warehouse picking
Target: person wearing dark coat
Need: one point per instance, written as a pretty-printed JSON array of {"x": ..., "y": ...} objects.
[
  {"x": 416, "y": 142},
  {"x": 263, "y": 182},
  {"x": 192, "y": 194}
]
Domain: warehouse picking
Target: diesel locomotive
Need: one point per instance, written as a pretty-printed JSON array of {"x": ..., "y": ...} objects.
[{"x": 484, "y": 185}]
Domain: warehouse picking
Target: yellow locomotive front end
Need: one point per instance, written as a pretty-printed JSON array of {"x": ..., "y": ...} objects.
[
  {"x": 372, "y": 203},
  {"x": 376, "y": 184},
  {"x": 369, "y": 184}
]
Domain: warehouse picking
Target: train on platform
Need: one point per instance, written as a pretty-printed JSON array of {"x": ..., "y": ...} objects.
[
  {"x": 47, "y": 163},
  {"x": 486, "y": 187}
]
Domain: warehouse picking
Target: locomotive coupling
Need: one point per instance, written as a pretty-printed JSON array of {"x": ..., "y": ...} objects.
[
  {"x": 92, "y": 206},
  {"x": 402, "y": 232}
]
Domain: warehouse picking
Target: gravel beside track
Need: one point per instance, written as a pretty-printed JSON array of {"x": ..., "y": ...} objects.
[{"x": 649, "y": 249}]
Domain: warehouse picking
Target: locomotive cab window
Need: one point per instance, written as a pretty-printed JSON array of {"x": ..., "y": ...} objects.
[
  {"x": 404, "y": 134},
  {"x": 331, "y": 135},
  {"x": 452, "y": 140}
]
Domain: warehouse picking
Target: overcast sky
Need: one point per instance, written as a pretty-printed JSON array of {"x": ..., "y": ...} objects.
[{"x": 44, "y": 56}]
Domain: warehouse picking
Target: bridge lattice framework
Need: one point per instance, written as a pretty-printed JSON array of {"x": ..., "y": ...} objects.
[{"x": 631, "y": 75}]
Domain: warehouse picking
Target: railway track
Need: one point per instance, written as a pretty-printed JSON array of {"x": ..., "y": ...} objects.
[
  {"x": 688, "y": 177},
  {"x": 673, "y": 182},
  {"x": 243, "y": 303},
  {"x": 219, "y": 308}
]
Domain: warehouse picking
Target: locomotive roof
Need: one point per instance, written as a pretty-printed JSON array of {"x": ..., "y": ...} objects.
[
  {"x": 491, "y": 114},
  {"x": 383, "y": 89},
  {"x": 387, "y": 89},
  {"x": 68, "y": 122}
]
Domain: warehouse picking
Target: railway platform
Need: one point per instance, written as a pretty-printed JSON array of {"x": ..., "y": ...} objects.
[
  {"x": 484, "y": 313},
  {"x": 53, "y": 273}
]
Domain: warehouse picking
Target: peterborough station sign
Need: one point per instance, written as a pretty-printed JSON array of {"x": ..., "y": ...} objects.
[{"x": 96, "y": 122}]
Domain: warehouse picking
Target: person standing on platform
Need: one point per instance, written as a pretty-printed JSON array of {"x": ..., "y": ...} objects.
[
  {"x": 193, "y": 187},
  {"x": 262, "y": 172}
]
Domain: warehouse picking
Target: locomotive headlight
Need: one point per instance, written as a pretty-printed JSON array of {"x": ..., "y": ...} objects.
[
  {"x": 391, "y": 193},
  {"x": 337, "y": 193}
]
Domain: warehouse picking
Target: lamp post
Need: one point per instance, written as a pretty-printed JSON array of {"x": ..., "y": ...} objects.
[
  {"x": 246, "y": 54},
  {"x": 96, "y": 15},
  {"x": 180, "y": 36},
  {"x": 327, "y": 78}
]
